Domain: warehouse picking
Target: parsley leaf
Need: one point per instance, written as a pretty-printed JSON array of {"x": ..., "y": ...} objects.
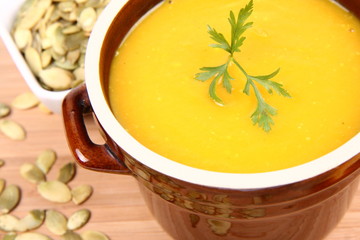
[{"x": 262, "y": 116}]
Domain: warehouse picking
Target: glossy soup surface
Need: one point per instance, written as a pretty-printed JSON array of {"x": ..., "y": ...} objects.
[{"x": 316, "y": 44}]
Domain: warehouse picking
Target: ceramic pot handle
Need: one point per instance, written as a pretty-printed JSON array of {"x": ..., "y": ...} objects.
[{"x": 87, "y": 154}]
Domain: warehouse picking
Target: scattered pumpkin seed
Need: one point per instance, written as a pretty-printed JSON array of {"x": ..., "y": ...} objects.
[
  {"x": 67, "y": 172},
  {"x": 32, "y": 236},
  {"x": 70, "y": 235},
  {"x": 32, "y": 173},
  {"x": 8, "y": 223},
  {"x": 32, "y": 220},
  {"x": 93, "y": 235},
  {"x": 9, "y": 198},
  {"x": 12, "y": 129},
  {"x": 78, "y": 219},
  {"x": 81, "y": 193},
  {"x": 54, "y": 191},
  {"x": 4, "y": 110},
  {"x": 56, "y": 222},
  {"x": 46, "y": 160},
  {"x": 25, "y": 101}
]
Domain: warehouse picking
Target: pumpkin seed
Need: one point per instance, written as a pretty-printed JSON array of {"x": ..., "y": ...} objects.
[
  {"x": 56, "y": 78},
  {"x": 2, "y": 162},
  {"x": 73, "y": 56},
  {"x": 49, "y": 12},
  {"x": 8, "y": 223},
  {"x": 36, "y": 43},
  {"x": 32, "y": 236},
  {"x": 9, "y": 236},
  {"x": 32, "y": 220},
  {"x": 33, "y": 59},
  {"x": 82, "y": 60},
  {"x": 32, "y": 173},
  {"x": 79, "y": 73},
  {"x": 4, "y": 110},
  {"x": 46, "y": 160},
  {"x": 93, "y": 235},
  {"x": 56, "y": 222},
  {"x": 67, "y": 172},
  {"x": 81, "y": 193},
  {"x": 57, "y": 38},
  {"x": 55, "y": 15},
  {"x": 54, "y": 191},
  {"x": 45, "y": 58},
  {"x": 74, "y": 41},
  {"x": 33, "y": 14},
  {"x": 55, "y": 56},
  {"x": 87, "y": 19},
  {"x": 70, "y": 235},
  {"x": 12, "y": 129},
  {"x": 9, "y": 198},
  {"x": 25, "y": 101},
  {"x": 23, "y": 38},
  {"x": 78, "y": 219},
  {"x": 2, "y": 185}
]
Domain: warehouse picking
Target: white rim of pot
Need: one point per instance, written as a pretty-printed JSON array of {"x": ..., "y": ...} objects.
[{"x": 180, "y": 171}]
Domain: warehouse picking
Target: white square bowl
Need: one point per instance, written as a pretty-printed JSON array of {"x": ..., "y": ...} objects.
[{"x": 52, "y": 99}]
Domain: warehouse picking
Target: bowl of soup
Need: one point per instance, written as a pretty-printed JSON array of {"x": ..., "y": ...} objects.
[{"x": 204, "y": 169}]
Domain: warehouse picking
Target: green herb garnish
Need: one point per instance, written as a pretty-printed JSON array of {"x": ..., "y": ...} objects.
[{"x": 264, "y": 112}]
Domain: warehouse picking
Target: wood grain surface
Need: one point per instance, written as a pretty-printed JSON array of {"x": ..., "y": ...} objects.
[{"x": 117, "y": 207}]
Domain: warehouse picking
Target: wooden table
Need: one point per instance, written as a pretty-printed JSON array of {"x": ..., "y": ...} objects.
[{"x": 116, "y": 204}]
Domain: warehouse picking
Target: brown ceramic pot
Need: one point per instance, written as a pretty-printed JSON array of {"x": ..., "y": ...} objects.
[{"x": 300, "y": 203}]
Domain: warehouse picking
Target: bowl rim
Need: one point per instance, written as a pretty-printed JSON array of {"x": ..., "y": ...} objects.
[{"x": 179, "y": 171}]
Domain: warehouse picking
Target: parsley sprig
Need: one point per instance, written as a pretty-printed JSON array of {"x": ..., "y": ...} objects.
[{"x": 220, "y": 74}]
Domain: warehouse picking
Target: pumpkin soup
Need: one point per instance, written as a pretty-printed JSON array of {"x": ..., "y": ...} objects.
[{"x": 316, "y": 44}]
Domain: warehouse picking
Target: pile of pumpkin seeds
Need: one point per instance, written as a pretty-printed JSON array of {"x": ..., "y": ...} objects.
[
  {"x": 55, "y": 191},
  {"x": 53, "y": 35}
]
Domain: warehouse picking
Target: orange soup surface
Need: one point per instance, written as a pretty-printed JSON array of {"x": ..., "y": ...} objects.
[{"x": 316, "y": 44}]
